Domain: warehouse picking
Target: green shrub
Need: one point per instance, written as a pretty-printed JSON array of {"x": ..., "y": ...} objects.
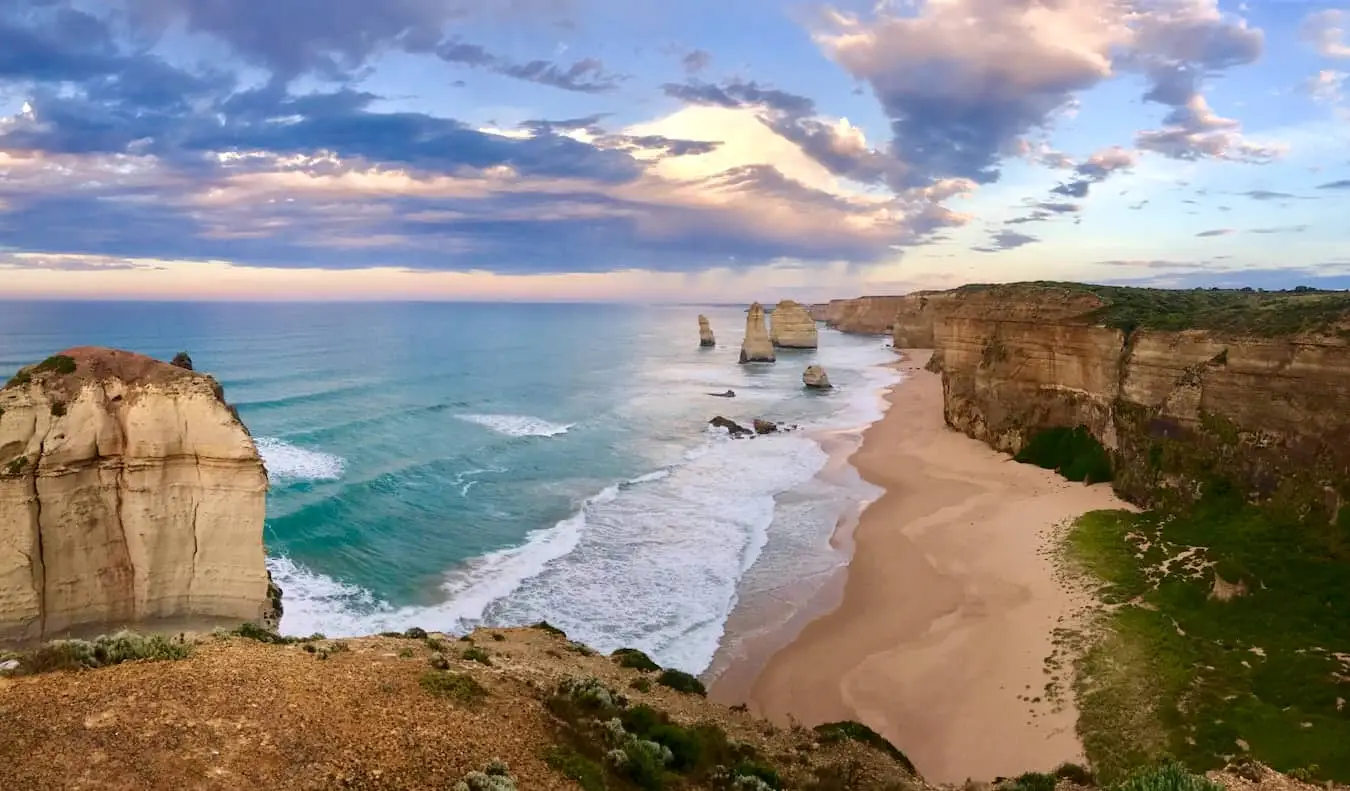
[
  {"x": 632, "y": 657},
  {"x": 1168, "y": 776},
  {"x": 101, "y": 652},
  {"x": 476, "y": 654},
  {"x": 57, "y": 363},
  {"x": 406, "y": 653},
  {"x": 580, "y": 648},
  {"x": 1072, "y": 452},
  {"x": 457, "y": 686},
  {"x": 1075, "y": 774},
  {"x": 851, "y": 730},
  {"x": 416, "y": 633},
  {"x": 498, "y": 636},
  {"x": 391, "y": 634},
  {"x": 434, "y": 644},
  {"x": 16, "y": 465},
  {"x": 641, "y": 684},
  {"x": 573, "y": 765},
  {"x": 545, "y": 626},
  {"x": 23, "y": 377},
  {"x": 1030, "y": 781},
  {"x": 681, "y": 681},
  {"x": 253, "y": 631}
]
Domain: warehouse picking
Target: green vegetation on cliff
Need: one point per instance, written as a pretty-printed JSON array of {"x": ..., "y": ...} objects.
[
  {"x": 1072, "y": 452},
  {"x": 1239, "y": 311},
  {"x": 1225, "y": 633}
]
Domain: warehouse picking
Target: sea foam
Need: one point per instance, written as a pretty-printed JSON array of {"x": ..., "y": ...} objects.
[
  {"x": 518, "y": 425},
  {"x": 286, "y": 462}
]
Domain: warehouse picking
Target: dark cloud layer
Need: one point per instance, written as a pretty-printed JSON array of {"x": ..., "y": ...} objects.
[{"x": 587, "y": 75}]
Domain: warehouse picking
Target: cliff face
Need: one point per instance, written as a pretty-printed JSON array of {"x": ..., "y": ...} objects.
[
  {"x": 129, "y": 492},
  {"x": 791, "y": 327},
  {"x": 864, "y": 315},
  {"x": 756, "y": 347},
  {"x": 1179, "y": 410}
]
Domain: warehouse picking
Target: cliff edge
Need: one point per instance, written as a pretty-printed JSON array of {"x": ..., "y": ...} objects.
[{"x": 129, "y": 492}]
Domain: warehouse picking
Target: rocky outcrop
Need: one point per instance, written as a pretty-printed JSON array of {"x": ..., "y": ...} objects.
[
  {"x": 815, "y": 378},
  {"x": 706, "y": 338},
  {"x": 818, "y": 311},
  {"x": 864, "y": 315},
  {"x": 1260, "y": 409},
  {"x": 129, "y": 493},
  {"x": 791, "y": 327},
  {"x": 182, "y": 360},
  {"x": 733, "y": 428},
  {"x": 756, "y": 348}
]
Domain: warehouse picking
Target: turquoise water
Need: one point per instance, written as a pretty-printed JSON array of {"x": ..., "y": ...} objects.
[{"x": 444, "y": 465}]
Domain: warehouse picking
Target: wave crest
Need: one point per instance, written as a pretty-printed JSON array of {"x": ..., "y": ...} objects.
[
  {"x": 518, "y": 425},
  {"x": 286, "y": 462}
]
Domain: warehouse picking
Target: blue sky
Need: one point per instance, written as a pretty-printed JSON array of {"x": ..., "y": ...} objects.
[{"x": 607, "y": 149}]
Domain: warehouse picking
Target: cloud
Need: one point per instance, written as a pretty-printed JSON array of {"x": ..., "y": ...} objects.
[
  {"x": 1006, "y": 240},
  {"x": 1282, "y": 229},
  {"x": 696, "y": 61},
  {"x": 1326, "y": 86},
  {"x": 1266, "y": 195},
  {"x": 1326, "y": 32},
  {"x": 587, "y": 75},
  {"x": 1343, "y": 184},
  {"x": 1217, "y": 232}
]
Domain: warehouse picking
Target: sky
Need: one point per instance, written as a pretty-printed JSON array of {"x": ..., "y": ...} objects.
[{"x": 690, "y": 151}]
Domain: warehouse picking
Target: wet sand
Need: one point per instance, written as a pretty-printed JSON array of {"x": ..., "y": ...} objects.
[{"x": 938, "y": 633}]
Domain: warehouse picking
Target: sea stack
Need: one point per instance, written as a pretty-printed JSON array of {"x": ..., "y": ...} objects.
[
  {"x": 130, "y": 493},
  {"x": 756, "y": 348},
  {"x": 814, "y": 377},
  {"x": 792, "y": 326},
  {"x": 706, "y": 338}
]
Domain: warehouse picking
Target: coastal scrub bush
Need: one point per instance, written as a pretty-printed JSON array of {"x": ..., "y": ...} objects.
[
  {"x": 498, "y": 636},
  {"x": 16, "y": 465},
  {"x": 57, "y": 363},
  {"x": 633, "y": 658},
  {"x": 476, "y": 654},
  {"x": 23, "y": 377},
  {"x": 1078, "y": 775},
  {"x": 457, "y": 686},
  {"x": 850, "y": 730},
  {"x": 1167, "y": 776},
  {"x": 416, "y": 633},
  {"x": 681, "y": 681},
  {"x": 545, "y": 626},
  {"x": 1030, "y": 781},
  {"x": 262, "y": 634},
  {"x": 102, "y": 651},
  {"x": 571, "y": 764},
  {"x": 641, "y": 684},
  {"x": 495, "y": 777},
  {"x": 1072, "y": 452}
]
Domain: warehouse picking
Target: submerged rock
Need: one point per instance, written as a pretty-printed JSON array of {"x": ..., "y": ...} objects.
[
  {"x": 733, "y": 428},
  {"x": 727, "y": 394},
  {"x": 765, "y": 426},
  {"x": 792, "y": 326},
  {"x": 706, "y": 338},
  {"x": 756, "y": 348},
  {"x": 129, "y": 492},
  {"x": 815, "y": 378}
]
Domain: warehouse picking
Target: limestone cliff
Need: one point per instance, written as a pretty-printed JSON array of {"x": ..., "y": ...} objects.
[
  {"x": 756, "y": 347},
  {"x": 129, "y": 492},
  {"x": 705, "y": 333},
  {"x": 1247, "y": 390},
  {"x": 791, "y": 327},
  {"x": 863, "y": 315}
]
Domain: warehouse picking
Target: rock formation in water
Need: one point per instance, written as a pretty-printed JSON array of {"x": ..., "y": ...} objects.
[
  {"x": 1252, "y": 391},
  {"x": 705, "y": 333},
  {"x": 733, "y": 428},
  {"x": 791, "y": 327},
  {"x": 756, "y": 348},
  {"x": 814, "y": 377},
  {"x": 129, "y": 492}
]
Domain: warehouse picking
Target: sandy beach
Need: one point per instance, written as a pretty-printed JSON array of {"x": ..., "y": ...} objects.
[{"x": 940, "y": 638}]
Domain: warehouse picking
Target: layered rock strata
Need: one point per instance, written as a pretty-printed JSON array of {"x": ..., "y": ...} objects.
[
  {"x": 705, "y": 334},
  {"x": 863, "y": 315},
  {"x": 756, "y": 348},
  {"x": 791, "y": 327},
  {"x": 129, "y": 492}
]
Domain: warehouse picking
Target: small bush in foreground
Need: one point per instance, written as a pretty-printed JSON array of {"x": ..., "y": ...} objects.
[
  {"x": 1169, "y": 776},
  {"x": 101, "y": 652},
  {"x": 1030, "y": 781},
  {"x": 641, "y": 684},
  {"x": 476, "y": 654},
  {"x": 632, "y": 657},
  {"x": 456, "y": 686},
  {"x": 58, "y": 408},
  {"x": 496, "y": 777},
  {"x": 1075, "y": 774},
  {"x": 545, "y": 626},
  {"x": 850, "y": 730},
  {"x": 681, "y": 681},
  {"x": 574, "y": 766}
]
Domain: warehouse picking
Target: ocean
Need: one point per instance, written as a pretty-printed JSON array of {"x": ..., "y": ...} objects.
[{"x": 450, "y": 465}]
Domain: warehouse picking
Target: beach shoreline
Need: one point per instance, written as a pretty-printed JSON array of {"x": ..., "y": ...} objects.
[{"x": 937, "y": 632}]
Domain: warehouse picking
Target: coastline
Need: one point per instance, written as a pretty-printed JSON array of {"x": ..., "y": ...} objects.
[{"x": 938, "y": 631}]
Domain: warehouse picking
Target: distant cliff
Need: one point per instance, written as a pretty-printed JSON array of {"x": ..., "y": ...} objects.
[
  {"x": 1186, "y": 389},
  {"x": 129, "y": 492},
  {"x": 862, "y": 315}
]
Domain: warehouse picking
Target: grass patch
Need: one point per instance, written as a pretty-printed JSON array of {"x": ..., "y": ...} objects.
[
  {"x": 641, "y": 684},
  {"x": 635, "y": 659},
  {"x": 476, "y": 654},
  {"x": 101, "y": 652},
  {"x": 58, "y": 364},
  {"x": 456, "y": 686},
  {"x": 1071, "y": 452},
  {"x": 1168, "y": 776},
  {"x": 571, "y": 764},
  {"x": 1176, "y": 671},
  {"x": 851, "y": 730},
  {"x": 1030, "y": 781},
  {"x": 681, "y": 681}
]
